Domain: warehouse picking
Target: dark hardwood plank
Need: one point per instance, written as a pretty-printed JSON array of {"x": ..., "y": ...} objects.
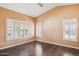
[{"x": 39, "y": 49}]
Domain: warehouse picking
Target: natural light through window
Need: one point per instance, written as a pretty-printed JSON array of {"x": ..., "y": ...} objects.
[
  {"x": 16, "y": 29},
  {"x": 70, "y": 29},
  {"x": 39, "y": 29}
]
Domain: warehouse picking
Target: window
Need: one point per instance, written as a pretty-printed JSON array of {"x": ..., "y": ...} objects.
[
  {"x": 70, "y": 29},
  {"x": 39, "y": 29},
  {"x": 73, "y": 29},
  {"x": 66, "y": 29},
  {"x": 9, "y": 29},
  {"x": 16, "y": 29}
]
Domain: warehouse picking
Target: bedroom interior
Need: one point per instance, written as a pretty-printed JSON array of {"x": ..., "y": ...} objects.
[{"x": 39, "y": 29}]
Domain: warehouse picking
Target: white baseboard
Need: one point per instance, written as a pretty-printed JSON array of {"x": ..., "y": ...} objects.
[
  {"x": 58, "y": 44},
  {"x": 40, "y": 41},
  {"x": 9, "y": 46}
]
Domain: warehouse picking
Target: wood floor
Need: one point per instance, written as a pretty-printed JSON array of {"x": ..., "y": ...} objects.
[{"x": 39, "y": 49}]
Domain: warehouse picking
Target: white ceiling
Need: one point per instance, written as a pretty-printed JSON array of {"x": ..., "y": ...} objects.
[{"x": 30, "y": 9}]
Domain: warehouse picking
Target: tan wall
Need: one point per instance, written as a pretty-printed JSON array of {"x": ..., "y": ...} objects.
[
  {"x": 8, "y": 13},
  {"x": 53, "y": 24}
]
